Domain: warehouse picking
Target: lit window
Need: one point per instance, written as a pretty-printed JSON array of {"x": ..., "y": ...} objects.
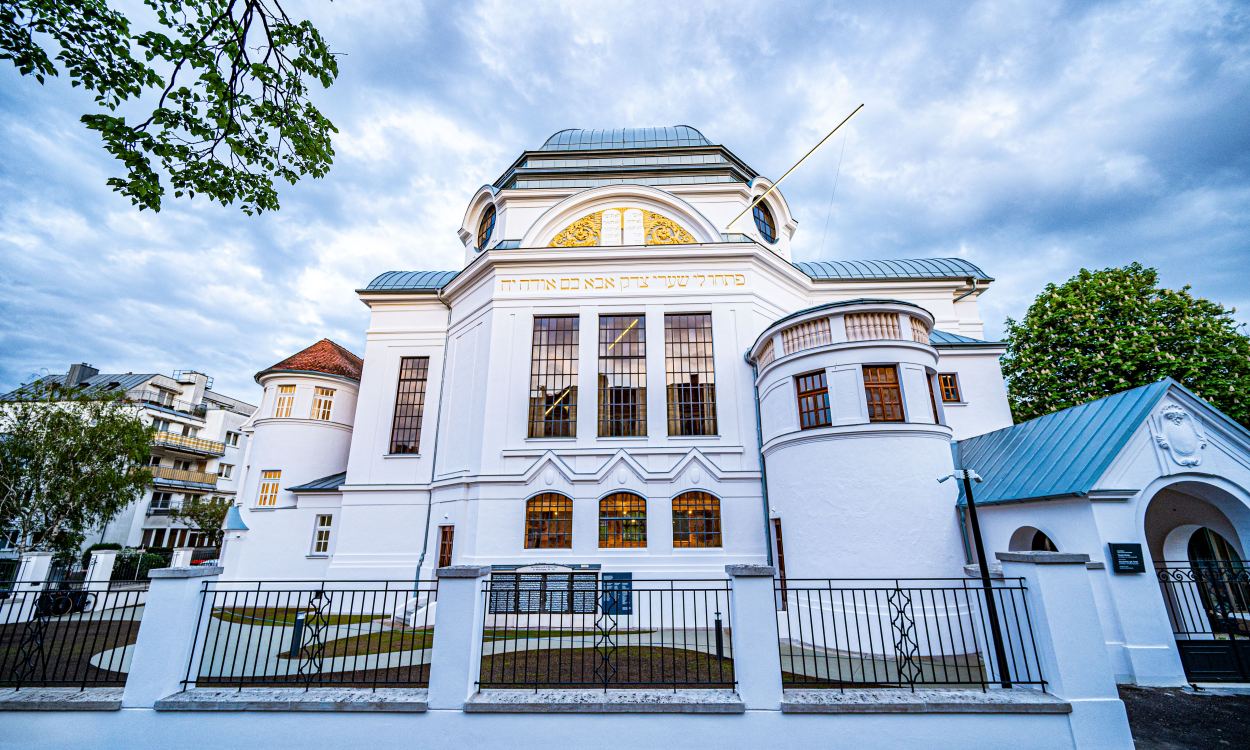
[
  {"x": 223, "y": 470},
  {"x": 948, "y": 383},
  {"x": 885, "y": 399},
  {"x": 549, "y": 522},
  {"x": 622, "y": 520},
  {"x": 323, "y": 400},
  {"x": 269, "y": 480},
  {"x": 286, "y": 400},
  {"x": 813, "y": 395},
  {"x": 485, "y": 227},
  {"x": 321, "y": 534},
  {"x": 696, "y": 520},
  {"x": 409, "y": 405},
  {"x": 553, "y": 377},
  {"x": 689, "y": 374},
  {"x": 764, "y": 222},
  {"x": 622, "y": 376},
  {"x": 806, "y": 335},
  {"x": 446, "y": 537}
]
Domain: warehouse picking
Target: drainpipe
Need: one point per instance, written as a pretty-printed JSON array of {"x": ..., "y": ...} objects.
[
  {"x": 970, "y": 291},
  {"x": 442, "y": 388},
  {"x": 759, "y": 440}
]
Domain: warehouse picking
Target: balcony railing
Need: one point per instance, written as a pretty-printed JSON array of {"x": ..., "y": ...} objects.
[
  {"x": 159, "y": 399},
  {"x": 189, "y": 444},
  {"x": 184, "y": 475}
]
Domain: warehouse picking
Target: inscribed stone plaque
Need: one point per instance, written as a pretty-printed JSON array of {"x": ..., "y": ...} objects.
[
  {"x": 610, "y": 232},
  {"x": 633, "y": 230}
]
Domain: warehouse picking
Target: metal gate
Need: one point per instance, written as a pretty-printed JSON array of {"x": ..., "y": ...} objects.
[{"x": 1209, "y": 606}]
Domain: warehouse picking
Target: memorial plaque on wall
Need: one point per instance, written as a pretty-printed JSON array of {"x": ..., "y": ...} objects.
[{"x": 1127, "y": 557}]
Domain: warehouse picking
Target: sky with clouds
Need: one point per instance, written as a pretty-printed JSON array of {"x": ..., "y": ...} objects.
[{"x": 1031, "y": 138}]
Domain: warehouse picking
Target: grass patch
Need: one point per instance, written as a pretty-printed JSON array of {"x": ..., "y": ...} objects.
[
  {"x": 633, "y": 665},
  {"x": 283, "y": 616},
  {"x": 402, "y": 639}
]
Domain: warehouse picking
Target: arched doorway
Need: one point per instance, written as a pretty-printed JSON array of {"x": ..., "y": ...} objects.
[
  {"x": 1192, "y": 531},
  {"x": 1031, "y": 539}
]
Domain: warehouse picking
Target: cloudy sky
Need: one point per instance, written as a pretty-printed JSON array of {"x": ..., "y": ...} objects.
[{"x": 1031, "y": 138}]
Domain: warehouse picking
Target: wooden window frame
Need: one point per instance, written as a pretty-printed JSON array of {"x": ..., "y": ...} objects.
[
  {"x": 409, "y": 411},
  {"x": 691, "y": 530},
  {"x": 812, "y": 396},
  {"x": 267, "y": 493},
  {"x": 623, "y": 375},
  {"x": 554, "y": 362},
  {"x": 881, "y": 408},
  {"x": 446, "y": 544},
  {"x": 284, "y": 403},
  {"x": 623, "y": 521},
  {"x": 954, "y": 388},
  {"x": 323, "y": 403},
  {"x": 549, "y": 521}
]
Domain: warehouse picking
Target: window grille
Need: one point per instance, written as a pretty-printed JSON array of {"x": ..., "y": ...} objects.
[
  {"x": 690, "y": 374},
  {"x": 622, "y": 376},
  {"x": 696, "y": 520},
  {"x": 553, "y": 377},
  {"x": 549, "y": 522},
  {"x": 622, "y": 521},
  {"x": 409, "y": 405}
]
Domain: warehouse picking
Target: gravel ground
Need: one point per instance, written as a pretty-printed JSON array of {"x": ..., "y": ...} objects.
[{"x": 1176, "y": 719}]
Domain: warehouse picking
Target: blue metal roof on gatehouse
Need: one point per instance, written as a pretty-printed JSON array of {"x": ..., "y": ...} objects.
[
  {"x": 618, "y": 138},
  {"x": 1058, "y": 455},
  {"x": 892, "y": 268}
]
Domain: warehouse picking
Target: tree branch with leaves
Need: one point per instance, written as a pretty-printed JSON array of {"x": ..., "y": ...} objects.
[
  {"x": 205, "y": 514},
  {"x": 234, "y": 110}
]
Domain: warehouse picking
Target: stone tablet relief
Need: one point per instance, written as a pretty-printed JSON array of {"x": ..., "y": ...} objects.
[
  {"x": 610, "y": 234},
  {"x": 633, "y": 229}
]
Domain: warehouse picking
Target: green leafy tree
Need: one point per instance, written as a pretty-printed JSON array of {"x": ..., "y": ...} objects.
[
  {"x": 205, "y": 514},
  {"x": 1105, "y": 331},
  {"x": 69, "y": 462},
  {"x": 213, "y": 93}
]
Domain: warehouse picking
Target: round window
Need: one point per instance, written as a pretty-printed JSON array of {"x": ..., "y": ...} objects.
[
  {"x": 764, "y": 222},
  {"x": 486, "y": 226}
]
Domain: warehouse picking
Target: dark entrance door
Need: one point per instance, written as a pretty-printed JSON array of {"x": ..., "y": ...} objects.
[{"x": 1208, "y": 601}]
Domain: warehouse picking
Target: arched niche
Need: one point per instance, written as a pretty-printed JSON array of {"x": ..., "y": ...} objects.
[
  {"x": 1031, "y": 539},
  {"x": 630, "y": 212}
]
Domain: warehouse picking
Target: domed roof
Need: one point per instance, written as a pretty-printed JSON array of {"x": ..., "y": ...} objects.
[
  {"x": 325, "y": 356},
  {"x": 594, "y": 140}
]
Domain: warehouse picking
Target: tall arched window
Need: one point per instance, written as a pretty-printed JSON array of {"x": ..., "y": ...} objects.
[
  {"x": 549, "y": 522},
  {"x": 696, "y": 520},
  {"x": 622, "y": 520}
]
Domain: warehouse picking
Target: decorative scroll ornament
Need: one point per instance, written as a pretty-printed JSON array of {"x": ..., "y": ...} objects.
[
  {"x": 619, "y": 226},
  {"x": 1180, "y": 435}
]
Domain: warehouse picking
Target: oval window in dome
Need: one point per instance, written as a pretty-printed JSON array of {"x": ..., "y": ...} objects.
[
  {"x": 485, "y": 227},
  {"x": 764, "y": 222}
]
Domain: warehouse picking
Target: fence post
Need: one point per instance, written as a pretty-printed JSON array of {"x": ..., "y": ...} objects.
[
  {"x": 1070, "y": 644},
  {"x": 166, "y": 639},
  {"x": 100, "y": 570},
  {"x": 32, "y": 572},
  {"x": 455, "y": 660},
  {"x": 181, "y": 557},
  {"x": 753, "y": 633}
]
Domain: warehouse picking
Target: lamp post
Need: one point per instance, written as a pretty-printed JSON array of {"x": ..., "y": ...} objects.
[{"x": 991, "y": 606}]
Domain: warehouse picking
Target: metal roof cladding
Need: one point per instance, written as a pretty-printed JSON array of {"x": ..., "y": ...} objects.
[
  {"x": 1061, "y": 454},
  {"x": 825, "y": 270},
  {"x": 893, "y": 268},
  {"x": 100, "y": 383},
  {"x": 622, "y": 138},
  {"x": 324, "y": 484},
  {"x": 946, "y": 338}
]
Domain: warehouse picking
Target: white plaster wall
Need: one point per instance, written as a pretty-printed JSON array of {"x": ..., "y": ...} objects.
[{"x": 985, "y": 407}]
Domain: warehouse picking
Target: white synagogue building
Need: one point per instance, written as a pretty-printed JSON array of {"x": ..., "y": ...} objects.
[{"x": 623, "y": 379}]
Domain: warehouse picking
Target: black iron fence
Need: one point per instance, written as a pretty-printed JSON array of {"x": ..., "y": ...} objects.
[
  {"x": 1207, "y": 598},
  {"x": 874, "y": 633},
  {"x": 576, "y": 630},
  {"x": 133, "y": 564},
  {"x": 68, "y": 634},
  {"x": 314, "y": 634}
]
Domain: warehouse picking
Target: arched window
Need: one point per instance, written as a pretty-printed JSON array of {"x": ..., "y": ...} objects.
[
  {"x": 549, "y": 522},
  {"x": 622, "y": 520},
  {"x": 696, "y": 520},
  {"x": 1031, "y": 539},
  {"x": 1042, "y": 543},
  {"x": 485, "y": 227},
  {"x": 764, "y": 222}
]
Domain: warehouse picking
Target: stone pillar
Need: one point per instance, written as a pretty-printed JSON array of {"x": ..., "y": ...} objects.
[
  {"x": 100, "y": 569},
  {"x": 172, "y": 619},
  {"x": 181, "y": 557},
  {"x": 455, "y": 660},
  {"x": 32, "y": 572},
  {"x": 1070, "y": 645},
  {"x": 753, "y": 630}
]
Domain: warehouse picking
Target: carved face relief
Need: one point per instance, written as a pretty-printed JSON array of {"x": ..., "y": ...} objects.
[{"x": 1180, "y": 436}]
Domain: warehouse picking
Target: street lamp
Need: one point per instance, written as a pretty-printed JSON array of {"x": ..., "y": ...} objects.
[{"x": 991, "y": 607}]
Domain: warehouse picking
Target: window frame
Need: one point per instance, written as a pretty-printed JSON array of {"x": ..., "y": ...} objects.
[
  {"x": 554, "y": 361},
  {"x": 813, "y": 400},
  {"x": 232, "y": 439},
  {"x": 682, "y": 360},
  {"x": 322, "y": 404},
  {"x": 319, "y": 529},
  {"x": 268, "y": 488},
  {"x": 224, "y": 470},
  {"x": 615, "y": 530},
  {"x": 760, "y": 212},
  {"x": 284, "y": 401},
  {"x": 705, "y": 538},
  {"x": 412, "y": 409},
  {"x": 619, "y": 367},
  {"x": 882, "y": 388},
  {"x": 955, "y": 384},
  {"x": 539, "y": 529}
]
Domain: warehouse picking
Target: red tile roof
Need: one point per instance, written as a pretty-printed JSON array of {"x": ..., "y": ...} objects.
[{"x": 323, "y": 356}]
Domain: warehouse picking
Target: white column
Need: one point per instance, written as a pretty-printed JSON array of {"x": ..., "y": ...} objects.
[
  {"x": 753, "y": 630},
  {"x": 100, "y": 569},
  {"x": 455, "y": 661},
  {"x": 1070, "y": 645},
  {"x": 172, "y": 618},
  {"x": 181, "y": 557},
  {"x": 32, "y": 572}
]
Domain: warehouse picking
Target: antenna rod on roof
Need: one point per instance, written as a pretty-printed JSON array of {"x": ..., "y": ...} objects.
[{"x": 791, "y": 169}]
